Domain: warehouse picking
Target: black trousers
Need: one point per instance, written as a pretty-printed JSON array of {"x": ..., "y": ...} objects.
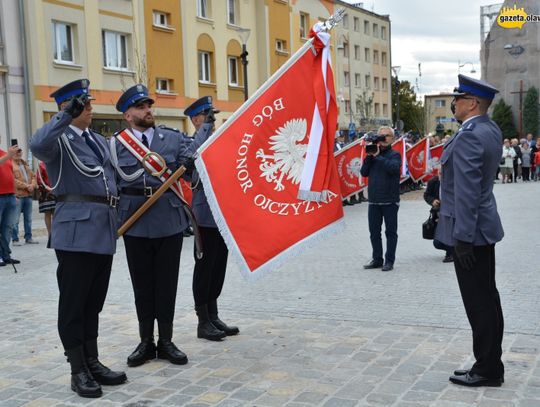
[
  {"x": 83, "y": 281},
  {"x": 483, "y": 307},
  {"x": 376, "y": 215},
  {"x": 153, "y": 266},
  {"x": 209, "y": 273}
]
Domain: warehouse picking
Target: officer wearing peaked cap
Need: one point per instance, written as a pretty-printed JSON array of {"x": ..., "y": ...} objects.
[
  {"x": 468, "y": 220},
  {"x": 83, "y": 231},
  {"x": 153, "y": 244},
  {"x": 209, "y": 272}
]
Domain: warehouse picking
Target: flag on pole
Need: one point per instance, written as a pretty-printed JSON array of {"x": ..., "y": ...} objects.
[
  {"x": 417, "y": 159},
  {"x": 276, "y": 148},
  {"x": 434, "y": 161},
  {"x": 401, "y": 147},
  {"x": 349, "y": 161}
]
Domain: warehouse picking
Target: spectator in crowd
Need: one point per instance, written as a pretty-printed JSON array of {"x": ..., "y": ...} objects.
[
  {"x": 525, "y": 161},
  {"x": 535, "y": 146},
  {"x": 431, "y": 196},
  {"x": 46, "y": 200},
  {"x": 530, "y": 140},
  {"x": 8, "y": 204},
  {"x": 507, "y": 161},
  {"x": 25, "y": 184},
  {"x": 516, "y": 163},
  {"x": 536, "y": 162}
]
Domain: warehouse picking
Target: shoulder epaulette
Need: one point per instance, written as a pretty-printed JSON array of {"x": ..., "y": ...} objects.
[
  {"x": 162, "y": 126},
  {"x": 469, "y": 127}
]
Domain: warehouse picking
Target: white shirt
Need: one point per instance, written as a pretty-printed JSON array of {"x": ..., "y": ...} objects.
[
  {"x": 80, "y": 132},
  {"x": 149, "y": 133}
]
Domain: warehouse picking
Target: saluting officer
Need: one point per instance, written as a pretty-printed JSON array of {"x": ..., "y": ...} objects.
[
  {"x": 83, "y": 231},
  {"x": 154, "y": 242},
  {"x": 468, "y": 220},
  {"x": 209, "y": 272}
]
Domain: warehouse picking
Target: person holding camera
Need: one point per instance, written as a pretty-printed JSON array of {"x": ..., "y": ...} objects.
[
  {"x": 83, "y": 232},
  {"x": 382, "y": 166},
  {"x": 8, "y": 204}
]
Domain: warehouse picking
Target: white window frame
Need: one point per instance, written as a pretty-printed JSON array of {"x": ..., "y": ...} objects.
[
  {"x": 367, "y": 54},
  {"x": 384, "y": 84},
  {"x": 232, "y": 63},
  {"x": 356, "y": 24},
  {"x": 375, "y": 30},
  {"x": 384, "y": 58},
  {"x": 281, "y": 46},
  {"x": 121, "y": 50},
  {"x": 375, "y": 56},
  {"x": 366, "y": 27},
  {"x": 346, "y": 78},
  {"x": 357, "y": 80},
  {"x": 163, "y": 89},
  {"x": 440, "y": 103},
  {"x": 383, "y": 32},
  {"x": 367, "y": 79},
  {"x": 203, "y": 10},
  {"x": 205, "y": 66},
  {"x": 376, "y": 83},
  {"x": 304, "y": 23},
  {"x": 234, "y": 9},
  {"x": 158, "y": 16},
  {"x": 57, "y": 56}
]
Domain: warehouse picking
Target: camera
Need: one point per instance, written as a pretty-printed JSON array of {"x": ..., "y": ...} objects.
[
  {"x": 372, "y": 148},
  {"x": 374, "y": 139}
]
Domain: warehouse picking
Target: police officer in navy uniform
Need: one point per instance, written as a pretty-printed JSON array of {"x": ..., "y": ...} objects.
[
  {"x": 209, "y": 272},
  {"x": 83, "y": 231},
  {"x": 468, "y": 220},
  {"x": 154, "y": 242}
]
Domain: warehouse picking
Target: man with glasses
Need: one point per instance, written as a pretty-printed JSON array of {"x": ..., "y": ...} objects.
[{"x": 468, "y": 220}]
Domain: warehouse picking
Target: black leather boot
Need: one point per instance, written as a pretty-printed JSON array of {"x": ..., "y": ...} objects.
[
  {"x": 206, "y": 329},
  {"x": 101, "y": 373},
  {"x": 146, "y": 350},
  {"x": 82, "y": 381},
  {"x": 218, "y": 323},
  {"x": 166, "y": 349}
]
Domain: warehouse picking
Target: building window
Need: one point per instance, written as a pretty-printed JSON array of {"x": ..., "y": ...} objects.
[
  {"x": 385, "y": 84},
  {"x": 346, "y": 78},
  {"x": 383, "y": 33},
  {"x": 366, "y": 27},
  {"x": 357, "y": 80},
  {"x": 368, "y": 81},
  {"x": 356, "y": 24},
  {"x": 232, "y": 12},
  {"x": 346, "y": 49},
  {"x": 376, "y": 83},
  {"x": 367, "y": 54},
  {"x": 233, "y": 71},
  {"x": 204, "y": 67},
  {"x": 440, "y": 119},
  {"x": 114, "y": 50},
  {"x": 440, "y": 103},
  {"x": 203, "y": 9},
  {"x": 161, "y": 19},
  {"x": 357, "y": 52},
  {"x": 375, "y": 56},
  {"x": 385, "y": 109},
  {"x": 383, "y": 59},
  {"x": 304, "y": 25},
  {"x": 63, "y": 42},
  {"x": 346, "y": 21},
  {"x": 377, "y": 109},
  {"x": 347, "y": 106},
  {"x": 281, "y": 46},
  {"x": 163, "y": 85},
  {"x": 375, "y": 30}
]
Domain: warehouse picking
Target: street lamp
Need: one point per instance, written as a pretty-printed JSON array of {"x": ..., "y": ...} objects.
[
  {"x": 243, "y": 33},
  {"x": 461, "y": 65},
  {"x": 395, "y": 70}
]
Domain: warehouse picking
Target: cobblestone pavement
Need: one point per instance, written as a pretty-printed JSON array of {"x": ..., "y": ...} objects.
[{"x": 319, "y": 332}]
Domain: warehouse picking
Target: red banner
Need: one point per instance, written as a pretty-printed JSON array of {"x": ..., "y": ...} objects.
[
  {"x": 434, "y": 161},
  {"x": 401, "y": 147},
  {"x": 417, "y": 159},
  {"x": 349, "y": 161},
  {"x": 252, "y": 166}
]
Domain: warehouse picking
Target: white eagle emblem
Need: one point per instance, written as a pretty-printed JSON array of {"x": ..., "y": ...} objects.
[
  {"x": 289, "y": 155},
  {"x": 420, "y": 158},
  {"x": 353, "y": 168}
]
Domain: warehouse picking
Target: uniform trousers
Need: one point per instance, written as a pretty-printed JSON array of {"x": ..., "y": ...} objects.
[
  {"x": 376, "y": 215},
  {"x": 209, "y": 273},
  {"x": 83, "y": 281},
  {"x": 483, "y": 308},
  {"x": 153, "y": 265}
]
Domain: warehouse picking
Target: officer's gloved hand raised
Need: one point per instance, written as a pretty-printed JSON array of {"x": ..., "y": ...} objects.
[
  {"x": 464, "y": 254},
  {"x": 76, "y": 106},
  {"x": 210, "y": 116}
]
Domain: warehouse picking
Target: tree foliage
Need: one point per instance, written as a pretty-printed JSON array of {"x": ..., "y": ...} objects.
[
  {"x": 502, "y": 115},
  {"x": 530, "y": 112},
  {"x": 410, "y": 110}
]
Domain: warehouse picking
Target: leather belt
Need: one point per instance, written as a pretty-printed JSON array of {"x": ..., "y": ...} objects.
[
  {"x": 146, "y": 191},
  {"x": 111, "y": 201}
]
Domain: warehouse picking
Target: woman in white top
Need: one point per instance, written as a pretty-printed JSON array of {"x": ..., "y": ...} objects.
[{"x": 507, "y": 161}]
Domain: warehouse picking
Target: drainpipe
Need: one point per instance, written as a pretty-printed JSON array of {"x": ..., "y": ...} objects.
[
  {"x": 27, "y": 103},
  {"x": 7, "y": 115}
]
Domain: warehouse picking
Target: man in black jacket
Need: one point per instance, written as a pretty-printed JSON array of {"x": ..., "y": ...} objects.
[{"x": 382, "y": 167}]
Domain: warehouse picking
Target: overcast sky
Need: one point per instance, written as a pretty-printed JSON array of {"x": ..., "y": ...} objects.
[{"x": 437, "y": 34}]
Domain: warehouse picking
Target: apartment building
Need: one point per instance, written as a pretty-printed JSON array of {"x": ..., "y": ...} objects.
[{"x": 437, "y": 112}]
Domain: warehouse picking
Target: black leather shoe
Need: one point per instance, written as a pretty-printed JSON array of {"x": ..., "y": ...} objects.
[
  {"x": 387, "y": 267},
  {"x": 448, "y": 259},
  {"x": 103, "y": 375},
  {"x": 222, "y": 326},
  {"x": 84, "y": 385},
  {"x": 168, "y": 350},
  {"x": 146, "y": 350},
  {"x": 474, "y": 380},
  {"x": 463, "y": 372},
  {"x": 207, "y": 330},
  {"x": 373, "y": 265}
]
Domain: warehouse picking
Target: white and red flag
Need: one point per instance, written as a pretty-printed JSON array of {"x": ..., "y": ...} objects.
[
  {"x": 417, "y": 159},
  {"x": 401, "y": 147},
  {"x": 265, "y": 166},
  {"x": 434, "y": 161},
  {"x": 349, "y": 161}
]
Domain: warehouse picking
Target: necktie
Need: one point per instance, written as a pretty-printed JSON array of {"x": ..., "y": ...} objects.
[
  {"x": 145, "y": 140},
  {"x": 92, "y": 144}
]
